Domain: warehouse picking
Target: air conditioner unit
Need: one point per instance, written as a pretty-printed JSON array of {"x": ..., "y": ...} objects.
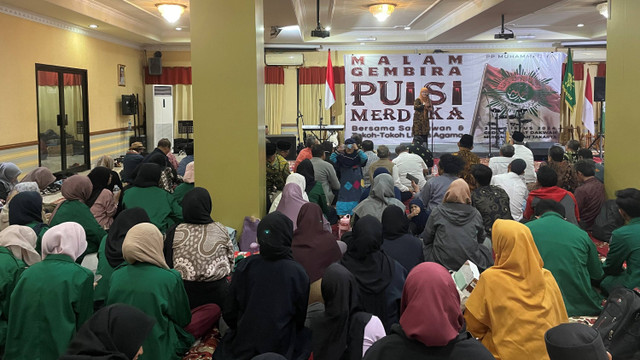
[
  {"x": 159, "y": 101},
  {"x": 284, "y": 59}
]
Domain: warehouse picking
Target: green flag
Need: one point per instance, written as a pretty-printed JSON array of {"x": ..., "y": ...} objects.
[{"x": 568, "y": 85}]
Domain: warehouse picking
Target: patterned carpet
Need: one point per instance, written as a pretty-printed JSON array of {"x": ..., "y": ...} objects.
[{"x": 203, "y": 349}]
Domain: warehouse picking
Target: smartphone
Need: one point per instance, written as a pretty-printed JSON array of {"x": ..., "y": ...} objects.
[{"x": 412, "y": 178}]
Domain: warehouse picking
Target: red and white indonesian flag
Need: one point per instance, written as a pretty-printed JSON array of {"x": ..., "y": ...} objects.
[
  {"x": 587, "y": 111},
  {"x": 330, "y": 87}
]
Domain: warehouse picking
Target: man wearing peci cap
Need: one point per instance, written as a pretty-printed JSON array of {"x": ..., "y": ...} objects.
[
  {"x": 283, "y": 148},
  {"x": 575, "y": 341},
  {"x": 524, "y": 153},
  {"x": 465, "y": 145},
  {"x": 277, "y": 170},
  {"x": 513, "y": 184}
]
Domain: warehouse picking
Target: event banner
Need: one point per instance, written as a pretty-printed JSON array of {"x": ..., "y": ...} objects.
[{"x": 480, "y": 94}]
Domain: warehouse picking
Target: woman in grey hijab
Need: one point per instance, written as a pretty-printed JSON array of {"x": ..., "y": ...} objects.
[{"x": 380, "y": 197}]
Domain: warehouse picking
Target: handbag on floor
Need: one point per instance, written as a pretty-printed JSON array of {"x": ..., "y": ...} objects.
[{"x": 619, "y": 324}]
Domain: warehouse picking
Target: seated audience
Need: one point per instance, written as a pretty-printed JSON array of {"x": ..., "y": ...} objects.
[
  {"x": 349, "y": 163},
  {"x": 102, "y": 202},
  {"x": 566, "y": 174},
  {"x": 187, "y": 184},
  {"x": 27, "y": 211},
  {"x": 296, "y": 179},
  {"x": 624, "y": 245},
  {"x": 382, "y": 162},
  {"x": 314, "y": 247},
  {"x": 110, "y": 251},
  {"x": 107, "y": 161},
  {"x": 147, "y": 283},
  {"x": 306, "y": 152},
  {"x": 431, "y": 324},
  {"x": 571, "y": 155},
  {"x": 268, "y": 296},
  {"x": 115, "y": 332},
  {"x": 380, "y": 196},
  {"x": 291, "y": 202},
  {"x": 379, "y": 277},
  {"x": 433, "y": 192},
  {"x": 343, "y": 330},
  {"x": 76, "y": 191},
  {"x": 418, "y": 147},
  {"x": 163, "y": 148},
  {"x": 277, "y": 170},
  {"x": 412, "y": 165},
  {"x": 465, "y": 145},
  {"x": 19, "y": 188},
  {"x": 491, "y": 201},
  {"x": 168, "y": 177},
  {"x": 182, "y": 165},
  {"x": 382, "y": 170},
  {"x": 455, "y": 232},
  {"x": 17, "y": 252},
  {"x": 524, "y": 153},
  {"x": 570, "y": 255},
  {"x": 418, "y": 216},
  {"x": 41, "y": 175},
  {"x": 52, "y": 298},
  {"x": 499, "y": 164},
  {"x": 575, "y": 341},
  {"x": 516, "y": 300},
  {"x": 586, "y": 154},
  {"x": 547, "y": 179},
  {"x": 367, "y": 147},
  {"x": 589, "y": 195},
  {"x": 162, "y": 208},
  {"x": 313, "y": 188},
  {"x": 398, "y": 242},
  {"x": 513, "y": 184},
  {"x": 201, "y": 250},
  {"x": 9, "y": 173},
  {"x": 131, "y": 160},
  {"x": 324, "y": 173}
]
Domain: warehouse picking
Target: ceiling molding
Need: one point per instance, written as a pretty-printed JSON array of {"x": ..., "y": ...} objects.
[
  {"x": 471, "y": 46},
  {"x": 184, "y": 47},
  {"x": 44, "y": 20}
]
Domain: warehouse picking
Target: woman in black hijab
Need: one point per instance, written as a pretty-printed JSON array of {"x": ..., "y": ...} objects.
[
  {"x": 380, "y": 278},
  {"x": 314, "y": 190},
  {"x": 102, "y": 201},
  {"x": 27, "y": 210},
  {"x": 201, "y": 250},
  {"x": 398, "y": 242},
  {"x": 115, "y": 332},
  {"x": 339, "y": 333},
  {"x": 267, "y": 302},
  {"x": 110, "y": 250}
]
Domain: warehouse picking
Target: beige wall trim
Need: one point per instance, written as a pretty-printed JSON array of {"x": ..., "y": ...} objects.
[{"x": 18, "y": 145}]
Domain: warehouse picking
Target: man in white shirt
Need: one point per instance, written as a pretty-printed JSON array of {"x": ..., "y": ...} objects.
[
  {"x": 513, "y": 184},
  {"x": 524, "y": 153},
  {"x": 409, "y": 164},
  {"x": 499, "y": 164}
]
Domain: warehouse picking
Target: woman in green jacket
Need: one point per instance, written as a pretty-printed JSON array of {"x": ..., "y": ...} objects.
[
  {"x": 52, "y": 299},
  {"x": 187, "y": 185},
  {"x": 76, "y": 191},
  {"x": 147, "y": 283},
  {"x": 160, "y": 205},
  {"x": 16, "y": 253},
  {"x": 27, "y": 211}
]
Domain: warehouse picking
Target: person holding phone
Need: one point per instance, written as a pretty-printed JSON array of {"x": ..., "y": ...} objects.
[{"x": 421, "y": 108}]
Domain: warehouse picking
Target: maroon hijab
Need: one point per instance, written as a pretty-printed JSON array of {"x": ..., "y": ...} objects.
[
  {"x": 314, "y": 247},
  {"x": 430, "y": 305}
]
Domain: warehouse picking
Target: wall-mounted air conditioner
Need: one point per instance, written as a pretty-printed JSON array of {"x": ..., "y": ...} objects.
[
  {"x": 159, "y": 102},
  {"x": 284, "y": 59}
]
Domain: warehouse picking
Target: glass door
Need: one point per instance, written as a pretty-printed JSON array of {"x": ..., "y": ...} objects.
[{"x": 63, "y": 131}]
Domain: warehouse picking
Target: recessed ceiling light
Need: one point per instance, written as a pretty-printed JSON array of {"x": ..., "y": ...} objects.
[
  {"x": 519, "y": 41},
  {"x": 407, "y": 27},
  {"x": 580, "y": 25},
  {"x": 178, "y": 28},
  {"x": 328, "y": 28},
  {"x": 361, "y": 43},
  {"x": 93, "y": 26}
]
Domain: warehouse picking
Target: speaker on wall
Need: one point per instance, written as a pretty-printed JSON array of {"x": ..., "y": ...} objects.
[
  {"x": 599, "y": 88},
  {"x": 155, "y": 64},
  {"x": 129, "y": 105}
]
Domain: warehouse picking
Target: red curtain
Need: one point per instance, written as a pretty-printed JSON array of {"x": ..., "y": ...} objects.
[
  {"x": 274, "y": 75},
  {"x": 578, "y": 71},
  {"x": 602, "y": 69},
  {"x": 48, "y": 78},
  {"x": 317, "y": 75},
  {"x": 170, "y": 76}
]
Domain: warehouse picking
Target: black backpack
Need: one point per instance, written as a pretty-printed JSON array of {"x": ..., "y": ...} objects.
[
  {"x": 608, "y": 220},
  {"x": 619, "y": 324}
]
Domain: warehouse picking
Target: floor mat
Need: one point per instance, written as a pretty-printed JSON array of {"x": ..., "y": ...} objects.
[
  {"x": 603, "y": 247},
  {"x": 203, "y": 349}
]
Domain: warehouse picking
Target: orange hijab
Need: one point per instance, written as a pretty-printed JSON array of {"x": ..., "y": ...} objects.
[
  {"x": 424, "y": 99},
  {"x": 516, "y": 301}
]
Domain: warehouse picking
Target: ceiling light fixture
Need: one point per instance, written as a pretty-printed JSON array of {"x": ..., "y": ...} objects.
[
  {"x": 580, "y": 25},
  {"x": 382, "y": 11},
  {"x": 93, "y": 26},
  {"x": 171, "y": 12},
  {"x": 369, "y": 38},
  {"x": 407, "y": 27},
  {"x": 179, "y": 28},
  {"x": 603, "y": 9}
]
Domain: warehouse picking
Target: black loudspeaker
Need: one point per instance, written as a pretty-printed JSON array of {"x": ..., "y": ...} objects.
[
  {"x": 599, "y": 88},
  {"x": 129, "y": 106},
  {"x": 540, "y": 150},
  {"x": 155, "y": 66},
  {"x": 291, "y": 139}
]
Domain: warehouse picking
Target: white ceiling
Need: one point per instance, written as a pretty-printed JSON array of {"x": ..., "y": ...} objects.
[{"x": 431, "y": 21}]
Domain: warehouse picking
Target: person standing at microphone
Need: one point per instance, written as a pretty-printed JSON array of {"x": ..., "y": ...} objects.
[{"x": 422, "y": 106}]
